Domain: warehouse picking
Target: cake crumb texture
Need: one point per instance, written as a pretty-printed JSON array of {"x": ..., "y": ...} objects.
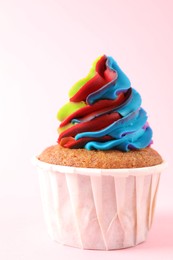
[{"x": 111, "y": 159}]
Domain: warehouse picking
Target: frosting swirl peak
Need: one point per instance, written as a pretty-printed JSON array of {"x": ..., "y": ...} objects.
[{"x": 104, "y": 112}]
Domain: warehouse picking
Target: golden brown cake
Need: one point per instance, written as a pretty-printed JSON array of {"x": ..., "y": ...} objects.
[{"x": 100, "y": 159}]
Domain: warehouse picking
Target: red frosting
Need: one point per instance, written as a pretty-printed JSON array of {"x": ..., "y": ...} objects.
[
  {"x": 96, "y": 124},
  {"x": 93, "y": 117},
  {"x": 95, "y": 109},
  {"x": 70, "y": 142},
  {"x": 103, "y": 75}
]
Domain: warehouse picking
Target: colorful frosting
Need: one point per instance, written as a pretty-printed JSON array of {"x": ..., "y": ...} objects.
[{"x": 104, "y": 112}]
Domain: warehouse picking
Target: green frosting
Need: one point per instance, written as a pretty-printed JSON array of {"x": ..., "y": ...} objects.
[
  {"x": 71, "y": 107},
  {"x": 75, "y": 88},
  {"x": 68, "y": 109}
]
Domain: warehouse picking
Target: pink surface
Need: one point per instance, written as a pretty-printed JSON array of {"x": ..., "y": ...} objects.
[{"x": 41, "y": 42}]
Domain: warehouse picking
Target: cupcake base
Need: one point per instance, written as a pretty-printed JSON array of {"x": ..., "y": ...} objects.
[{"x": 102, "y": 209}]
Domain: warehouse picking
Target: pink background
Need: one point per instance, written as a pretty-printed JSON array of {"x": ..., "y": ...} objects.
[{"x": 45, "y": 46}]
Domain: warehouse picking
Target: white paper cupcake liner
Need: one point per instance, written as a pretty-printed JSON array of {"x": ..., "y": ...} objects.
[{"x": 100, "y": 209}]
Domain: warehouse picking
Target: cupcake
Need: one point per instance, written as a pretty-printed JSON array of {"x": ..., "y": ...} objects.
[{"x": 99, "y": 182}]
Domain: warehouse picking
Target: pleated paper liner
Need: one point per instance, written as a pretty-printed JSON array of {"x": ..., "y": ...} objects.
[{"x": 101, "y": 209}]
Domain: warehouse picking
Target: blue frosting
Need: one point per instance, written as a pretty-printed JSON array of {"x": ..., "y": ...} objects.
[
  {"x": 131, "y": 131},
  {"x": 137, "y": 140},
  {"x": 110, "y": 90}
]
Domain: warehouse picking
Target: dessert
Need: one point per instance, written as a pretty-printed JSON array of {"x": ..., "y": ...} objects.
[{"x": 99, "y": 183}]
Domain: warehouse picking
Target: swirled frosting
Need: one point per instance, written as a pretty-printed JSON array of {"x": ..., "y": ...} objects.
[{"x": 104, "y": 112}]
